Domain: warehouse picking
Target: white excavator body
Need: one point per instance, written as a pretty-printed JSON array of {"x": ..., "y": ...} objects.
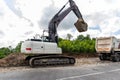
[{"x": 40, "y": 47}]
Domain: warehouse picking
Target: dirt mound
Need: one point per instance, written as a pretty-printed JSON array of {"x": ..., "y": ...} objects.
[
  {"x": 14, "y": 59},
  {"x": 18, "y": 59}
]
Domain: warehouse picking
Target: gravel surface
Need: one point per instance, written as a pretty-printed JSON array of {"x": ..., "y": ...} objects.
[
  {"x": 7, "y": 69},
  {"x": 80, "y": 62}
]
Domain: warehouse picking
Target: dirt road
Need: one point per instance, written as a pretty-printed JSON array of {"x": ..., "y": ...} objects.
[
  {"x": 84, "y": 69},
  {"x": 80, "y": 62}
]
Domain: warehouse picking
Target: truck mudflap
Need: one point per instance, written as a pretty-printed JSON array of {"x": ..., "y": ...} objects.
[{"x": 51, "y": 60}]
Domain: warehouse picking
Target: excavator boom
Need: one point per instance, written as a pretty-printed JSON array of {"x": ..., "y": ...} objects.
[{"x": 53, "y": 24}]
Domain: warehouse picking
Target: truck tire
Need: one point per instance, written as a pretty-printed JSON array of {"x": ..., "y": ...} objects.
[
  {"x": 102, "y": 57},
  {"x": 116, "y": 57}
]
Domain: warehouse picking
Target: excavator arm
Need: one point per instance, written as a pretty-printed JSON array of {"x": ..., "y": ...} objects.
[{"x": 55, "y": 21}]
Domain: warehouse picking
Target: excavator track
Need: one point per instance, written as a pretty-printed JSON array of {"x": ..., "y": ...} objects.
[{"x": 51, "y": 60}]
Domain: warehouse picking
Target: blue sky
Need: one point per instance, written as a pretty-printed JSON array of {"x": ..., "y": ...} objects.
[{"x": 22, "y": 19}]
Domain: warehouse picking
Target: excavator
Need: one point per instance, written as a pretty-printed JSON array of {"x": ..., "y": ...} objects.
[{"x": 45, "y": 51}]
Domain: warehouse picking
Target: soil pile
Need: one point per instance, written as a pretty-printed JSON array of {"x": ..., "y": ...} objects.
[
  {"x": 14, "y": 59},
  {"x": 18, "y": 59}
]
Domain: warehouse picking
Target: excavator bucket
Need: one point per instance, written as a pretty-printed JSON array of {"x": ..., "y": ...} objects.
[{"x": 81, "y": 25}]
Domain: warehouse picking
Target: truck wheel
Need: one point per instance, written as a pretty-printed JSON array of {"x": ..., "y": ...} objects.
[
  {"x": 102, "y": 57},
  {"x": 116, "y": 57}
]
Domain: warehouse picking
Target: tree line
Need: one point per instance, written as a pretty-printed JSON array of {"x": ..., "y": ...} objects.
[
  {"x": 80, "y": 45},
  {"x": 4, "y": 51}
]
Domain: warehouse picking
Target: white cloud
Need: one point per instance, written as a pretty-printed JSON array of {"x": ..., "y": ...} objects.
[
  {"x": 107, "y": 21},
  {"x": 104, "y": 14},
  {"x": 32, "y": 9},
  {"x": 13, "y": 26}
]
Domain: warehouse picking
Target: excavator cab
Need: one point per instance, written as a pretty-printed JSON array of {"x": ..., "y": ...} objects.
[{"x": 81, "y": 25}]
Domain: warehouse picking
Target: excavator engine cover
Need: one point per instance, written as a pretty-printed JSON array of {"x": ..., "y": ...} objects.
[{"x": 81, "y": 25}]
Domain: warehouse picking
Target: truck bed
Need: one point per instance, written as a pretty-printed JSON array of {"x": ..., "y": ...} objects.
[
  {"x": 107, "y": 44},
  {"x": 104, "y": 45}
]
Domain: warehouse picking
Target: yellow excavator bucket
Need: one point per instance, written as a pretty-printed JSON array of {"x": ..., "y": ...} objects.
[{"x": 81, "y": 25}]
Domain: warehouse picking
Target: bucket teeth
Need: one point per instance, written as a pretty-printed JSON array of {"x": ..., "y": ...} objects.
[{"x": 81, "y": 25}]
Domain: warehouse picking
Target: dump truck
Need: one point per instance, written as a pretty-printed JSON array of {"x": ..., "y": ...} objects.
[{"x": 108, "y": 48}]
